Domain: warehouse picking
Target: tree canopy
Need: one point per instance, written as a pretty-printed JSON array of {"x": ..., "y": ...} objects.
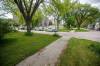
[{"x": 72, "y": 13}]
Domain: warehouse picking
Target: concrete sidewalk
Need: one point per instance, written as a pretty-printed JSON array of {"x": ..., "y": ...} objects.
[{"x": 47, "y": 56}]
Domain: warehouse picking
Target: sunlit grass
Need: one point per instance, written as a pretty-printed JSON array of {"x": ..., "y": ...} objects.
[
  {"x": 16, "y": 47},
  {"x": 79, "y": 53}
]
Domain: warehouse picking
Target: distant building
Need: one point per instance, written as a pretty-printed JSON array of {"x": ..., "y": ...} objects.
[{"x": 46, "y": 22}]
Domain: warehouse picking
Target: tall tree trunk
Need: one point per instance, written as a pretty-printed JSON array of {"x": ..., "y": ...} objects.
[
  {"x": 28, "y": 25},
  {"x": 28, "y": 28},
  {"x": 57, "y": 26},
  {"x": 78, "y": 27}
]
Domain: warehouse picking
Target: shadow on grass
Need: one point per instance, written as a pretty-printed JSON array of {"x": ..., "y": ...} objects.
[
  {"x": 95, "y": 48},
  {"x": 8, "y": 41},
  {"x": 28, "y": 34}
]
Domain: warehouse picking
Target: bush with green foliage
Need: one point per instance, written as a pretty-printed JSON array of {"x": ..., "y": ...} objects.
[
  {"x": 5, "y": 27},
  {"x": 95, "y": 47},
  {"x": 56, "y": 35}
]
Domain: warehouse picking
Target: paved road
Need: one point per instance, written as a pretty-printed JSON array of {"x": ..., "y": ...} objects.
[
  {"x": 49, "y": 55},
  {"x": 95, "y": 36}
]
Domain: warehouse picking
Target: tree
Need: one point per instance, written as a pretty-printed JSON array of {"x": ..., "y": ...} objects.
[
  {"x": 84, "y": 13},
  {"x": 69, "y": 22},
  {"x": 54, "y": 10},
  {"x": 28, "y": 9},
  {"x": 38, "y": 17},
  {"x": 68, "y": 14},
  {"x": 10, "y": 7},
  {"x": 61, "y": 10}
]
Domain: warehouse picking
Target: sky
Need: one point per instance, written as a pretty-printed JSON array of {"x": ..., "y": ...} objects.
[
  {"x": 95, "y": 3},
  {"x": 9, "y": 15}
]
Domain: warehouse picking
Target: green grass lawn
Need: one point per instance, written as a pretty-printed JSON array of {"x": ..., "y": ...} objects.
[
  {"x": 64, "y": 30},
  {"x": 81, "y": 30},
  {"x": 76, "y": 30},
  {"x": 80, "y": 52},
  {"x": 16, "y": 47}
]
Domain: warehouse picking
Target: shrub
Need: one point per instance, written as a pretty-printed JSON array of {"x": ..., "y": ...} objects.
[
  {"x": 56, "y": 35},
  {"x": 5, "y": 28}
]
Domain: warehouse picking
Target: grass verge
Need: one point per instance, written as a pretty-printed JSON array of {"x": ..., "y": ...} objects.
[
  {"x": 80, "y": 52},
  {"x": 64, "y": 30},
  {"x": 81, "y": 30},
  {"x": 76, "y": 30}
]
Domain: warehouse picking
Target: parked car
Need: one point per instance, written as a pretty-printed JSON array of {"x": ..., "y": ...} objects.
[
  {"x": 51, "y": 30},
  {"x": 39, "y": 29}
]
